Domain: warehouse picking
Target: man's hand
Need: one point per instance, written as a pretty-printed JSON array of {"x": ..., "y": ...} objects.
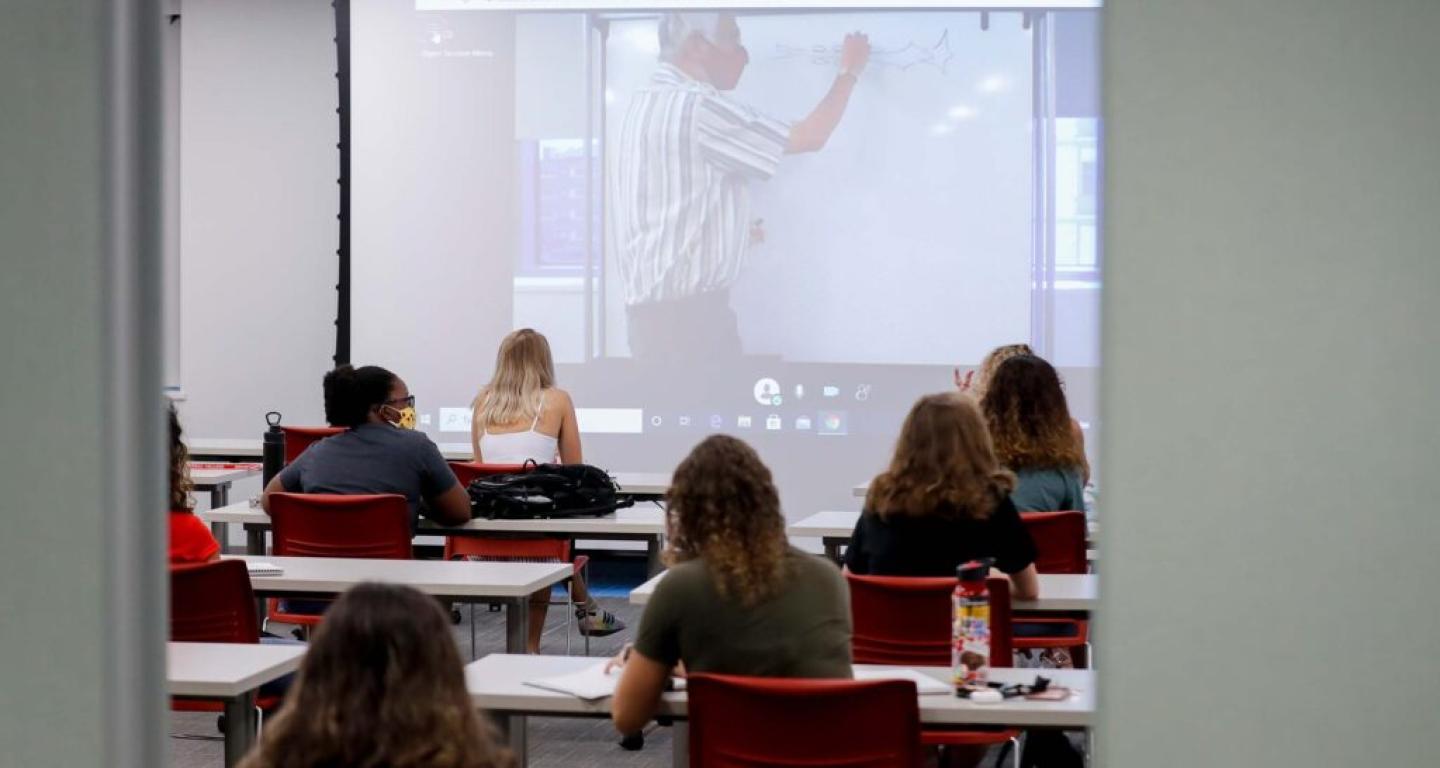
[{"x": 854, "y": 54}]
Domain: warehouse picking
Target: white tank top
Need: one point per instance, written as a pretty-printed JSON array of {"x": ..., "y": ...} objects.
[{"x": 519, "y": 447}]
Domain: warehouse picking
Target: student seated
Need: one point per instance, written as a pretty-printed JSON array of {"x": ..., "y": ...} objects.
[
  {"x": 522, "y": 416},
  {"x": 974, "y": 382},
  {"x": 1024, "y": 407},
  {"x": 382, "y": 685},
  {"x": 738, "y": 599},
  {"x": 379, "y": 453},
  {"x": 943, "y": 501},
  {"x": 190, "y": 539}
]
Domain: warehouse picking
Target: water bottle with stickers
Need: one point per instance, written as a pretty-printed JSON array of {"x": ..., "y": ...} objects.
[{"x": 970, "y": 646}]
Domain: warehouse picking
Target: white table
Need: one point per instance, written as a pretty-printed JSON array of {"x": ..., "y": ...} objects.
[
  {"x": 231, "y": 672},
  {"x": 458, "y": 581},
  {"x": 497, "y": 684},
  {"x": 834, "y": 527},
  {"x": 1059, "y": 593},
  {"x": 643, "y": 523},
  {"x": 217, "y": 480}
]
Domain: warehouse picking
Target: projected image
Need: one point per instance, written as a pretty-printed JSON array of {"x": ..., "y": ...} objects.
[{"x": 783, "y": 223}]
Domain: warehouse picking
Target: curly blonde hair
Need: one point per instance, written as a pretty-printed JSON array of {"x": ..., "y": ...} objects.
[
  {"x": 943, "y": 464},
  {"x": 1029, "y": 421},
  {"x": 724, "y": 508},
  {"x": 992, "y": 362}
]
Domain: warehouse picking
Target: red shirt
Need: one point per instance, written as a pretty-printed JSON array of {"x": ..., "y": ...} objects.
[{"x": 190, "y": 539}]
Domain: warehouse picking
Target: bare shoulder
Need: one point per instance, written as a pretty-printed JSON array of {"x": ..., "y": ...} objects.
[{"x": 558, "y": 398}]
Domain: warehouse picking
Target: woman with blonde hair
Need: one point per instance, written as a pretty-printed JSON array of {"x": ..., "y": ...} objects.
[
  {"x": 381, "y": 686},
  {"x": 1025, "y": 410},
  {"x": 520, "y": 416},
  {"x": 974, "y": 381},
  {"x": 738, "y": 599},
  {"x": 943, "y": 501}
]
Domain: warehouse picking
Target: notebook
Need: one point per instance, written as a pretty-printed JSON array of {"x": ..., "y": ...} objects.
[
  {"x": 258, "y": 568},
  {"x": 925, "y": 684},
  {"x": 589, "y": 684}
]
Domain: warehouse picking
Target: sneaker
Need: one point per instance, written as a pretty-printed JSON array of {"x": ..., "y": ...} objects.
[{"x": 597, "y": 623}]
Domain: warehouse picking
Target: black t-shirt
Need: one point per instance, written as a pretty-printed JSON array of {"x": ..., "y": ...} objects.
[{"x": 934, "y": 545}]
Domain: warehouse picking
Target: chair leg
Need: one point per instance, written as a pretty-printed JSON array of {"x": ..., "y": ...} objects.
[
  {"x": 472, "y": 631},
  {"x": 1015, "y": 751}
]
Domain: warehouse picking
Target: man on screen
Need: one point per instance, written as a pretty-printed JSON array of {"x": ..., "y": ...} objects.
[{"x": 679, "y": 207}]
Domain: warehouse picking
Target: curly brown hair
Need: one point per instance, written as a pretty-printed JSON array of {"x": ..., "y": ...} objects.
[
  {"x": 723, "y": 508},
  {"x": 943, "y": 464},
  {"x": 381, "y": 686},
  {"x": 992, "y": 362},
  {"x": 1029, "y": 421},
  {"x": 180, "y": 483}
]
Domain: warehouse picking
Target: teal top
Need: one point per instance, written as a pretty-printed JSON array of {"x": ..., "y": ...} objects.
[{"x": 1049, "y": 490}]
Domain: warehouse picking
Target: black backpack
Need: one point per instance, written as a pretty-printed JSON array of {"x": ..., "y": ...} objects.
[{"x": 546, "y": 490}]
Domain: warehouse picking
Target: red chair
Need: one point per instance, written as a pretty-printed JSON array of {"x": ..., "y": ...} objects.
[
  {"x": 906, "y": 621},
  {"x": 335, "y": 525},
  {"x": 508, "y": 548},
  {"x": 213, "y": 603},
  {"x": 297, "y": 439},
  {"x": 741, "y": 722},
  {"x": 1060, "y": 548}
]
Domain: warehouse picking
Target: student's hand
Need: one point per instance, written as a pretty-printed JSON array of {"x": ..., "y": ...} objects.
[
  {"x": 679, "y": 670},
  {"x": 963, "y": 383},
  {"x": 618, "y": 662}
]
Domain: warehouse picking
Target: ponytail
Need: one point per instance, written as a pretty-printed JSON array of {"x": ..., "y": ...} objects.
[{"x": 350, "y": 393}]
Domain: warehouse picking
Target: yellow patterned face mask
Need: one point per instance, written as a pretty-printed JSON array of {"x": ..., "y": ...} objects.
[{"x": 407, "y": 418}]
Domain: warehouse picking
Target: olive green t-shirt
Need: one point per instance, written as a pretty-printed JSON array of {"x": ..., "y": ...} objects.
[{"x": 802, "y": 631}]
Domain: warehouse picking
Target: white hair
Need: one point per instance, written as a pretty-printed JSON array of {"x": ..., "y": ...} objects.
[{"x": 677, "y": 28}]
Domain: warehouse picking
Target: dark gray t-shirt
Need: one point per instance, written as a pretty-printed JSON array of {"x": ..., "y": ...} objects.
[
  {"x": 804, "y": 631},
  {"x": 372, "y": 458}
]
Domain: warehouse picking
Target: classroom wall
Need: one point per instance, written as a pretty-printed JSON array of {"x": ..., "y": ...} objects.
[
  {"x": 82, "y": 552},
  {"x": 258, "y": 231},
  {"x": 1271, "y": 347}
]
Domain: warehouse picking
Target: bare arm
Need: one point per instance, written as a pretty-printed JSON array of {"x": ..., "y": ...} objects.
[
  {"x": 451, "y": 507},
  {"x": 1025, "y": 585},
  {"x": 812, "y": 133},
  {"x": 274, "y": 486},
  {"x": 569, "y": 430},
  {"x": 637, "y": 695}
]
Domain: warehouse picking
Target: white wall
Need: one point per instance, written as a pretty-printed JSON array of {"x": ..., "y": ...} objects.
[
  {"x": 1271, "y": 352},
  {"x": 82, "y": 586},
  {"x": 259, "y": 198}
]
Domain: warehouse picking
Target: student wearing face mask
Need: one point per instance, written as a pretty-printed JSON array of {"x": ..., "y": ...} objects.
[{"x": 380, "y": 452}]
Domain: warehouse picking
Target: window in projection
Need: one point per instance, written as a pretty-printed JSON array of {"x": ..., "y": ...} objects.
[{"x": 726, "y": 221}]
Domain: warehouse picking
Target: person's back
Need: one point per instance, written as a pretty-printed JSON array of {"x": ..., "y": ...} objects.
[
  {"x": 801, "y": 631},
  {"x": 518, "y": 441},
  {"x": 943, "y": 501},
  {"x": 520, "y": 415},
  {"x": 1048, "y": 489},
  {"x": 371, "y": 458}
]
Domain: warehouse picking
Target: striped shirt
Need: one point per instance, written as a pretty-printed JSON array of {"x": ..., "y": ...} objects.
[{"x": 678, "y": 207}]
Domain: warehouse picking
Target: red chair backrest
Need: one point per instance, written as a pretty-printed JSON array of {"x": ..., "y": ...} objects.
[
  {"x": 333, "y": 525},
  {"x": 908, "y": 620},
  {"x": 755, "y": 721},
  {"x": 465, "y": 471},
  {"x": 1059, "y": 541},
  {"x": 297, "y": 439},
  {"x": 487, "y": 546},
  {"x": 212, "y": 603}
]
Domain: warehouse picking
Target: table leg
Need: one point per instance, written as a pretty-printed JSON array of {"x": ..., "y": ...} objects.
[
  {"x": 254, "y": 540},
  {"x": 514, "y": 728},
  {"x": 832, "y": 548},
  {"x": 218, "y": 531},
  {"x": 220, "y": 496},
  {"x": 517, "y": 621},
  {"x": 240, "y": 725},
  {"x": 680, "y": 744},
  {"x": 653, "y": 546}
]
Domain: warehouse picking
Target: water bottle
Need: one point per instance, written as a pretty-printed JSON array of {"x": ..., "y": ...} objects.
[
  {"x": 970, "y": 646},
  {"x": 272, "y": 449}
]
